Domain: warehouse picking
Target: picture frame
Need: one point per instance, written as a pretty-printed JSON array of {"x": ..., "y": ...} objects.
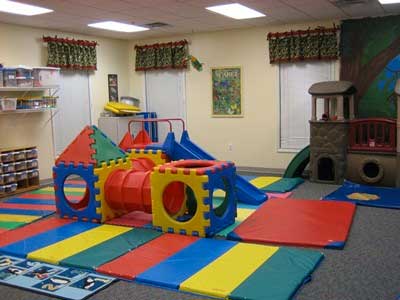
[
  {"x": 113, "y": 87},
  {"x": 227, "y": 99}
]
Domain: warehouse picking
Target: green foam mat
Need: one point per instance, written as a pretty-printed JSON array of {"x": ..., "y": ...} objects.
[
  {"x": 111, "y": 249},
  {"x": 280, "y": 277},
  {"x": 283, "y": 185},
  {"x": 11, "y": 225}
]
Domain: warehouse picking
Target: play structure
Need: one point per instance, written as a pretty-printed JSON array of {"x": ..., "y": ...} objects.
[
  {"x": 343, "y": 147},
  {"x": 174, "y": 182}
]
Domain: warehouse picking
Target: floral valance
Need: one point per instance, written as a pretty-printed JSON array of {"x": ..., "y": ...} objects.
[
  {"x": 311, "y": 44},
  {"x": 172, "y": 55},
  {"x": 71, "y": 54}
]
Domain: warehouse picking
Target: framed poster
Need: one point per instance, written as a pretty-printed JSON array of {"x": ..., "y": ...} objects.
[
  {"x": 227, "y": 92},
  {"x": 113, "y": 87}
]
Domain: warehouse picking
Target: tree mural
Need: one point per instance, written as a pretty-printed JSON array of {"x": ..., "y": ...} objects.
[{"x": 370, "y": 58}]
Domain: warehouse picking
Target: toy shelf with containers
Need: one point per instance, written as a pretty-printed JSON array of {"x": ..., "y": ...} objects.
[
  {"x": 24, "y": 90},
  {"x": 19, "y": 170}
]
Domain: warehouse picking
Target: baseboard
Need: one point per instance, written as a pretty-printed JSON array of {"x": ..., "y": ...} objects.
[{"x": 260, "y": 171}]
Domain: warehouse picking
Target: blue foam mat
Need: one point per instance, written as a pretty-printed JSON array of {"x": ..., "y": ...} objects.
[
  {"x": 27, "y": 212},
  {"x": 22, "y": 248},
  {"x": 51, "y": 280},
  {"x": 173, "y": 271},
  {"x": 388, "y": 197}
]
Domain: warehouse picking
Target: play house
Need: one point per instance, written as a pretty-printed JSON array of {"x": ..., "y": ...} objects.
[{"x": 344, "y": 147}]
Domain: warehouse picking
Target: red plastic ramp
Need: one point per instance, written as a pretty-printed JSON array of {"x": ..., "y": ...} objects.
[
  {"x": 146, "y": 256},
  {"x": 296, "y": 222}
]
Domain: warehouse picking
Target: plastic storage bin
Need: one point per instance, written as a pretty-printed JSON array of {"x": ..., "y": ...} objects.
[
  {"x": 24, "y": 77},
  {"x": 10, "y": 188},
  {"x": 7, "y": 104},
  {"x": 7, "y": 157},
  {"x": 19, "y": 155},
  {"x": 10, "y": 77},
  {"x": 20, "y": 165},
  {"x": 21, "y": 175},
  {"x": 7, "y": 168},
  {"x": 33, "y": 163},
  {"x": 1, "y": 77},
  {"x": 31, "y": 153},
  {"x": 46, "y": 77},
  {"x": 33, "y": 173},
  {"x": 9, "y": 178}
]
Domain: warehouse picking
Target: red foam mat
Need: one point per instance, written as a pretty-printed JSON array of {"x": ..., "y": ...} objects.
[
  {"x": 146, "y": 256},
  {"x": 27, "y": 206},
  {"x": 32, "y": 229},
  {"x": 295, "y": 222},
  {"x": 133, "y": 219}
]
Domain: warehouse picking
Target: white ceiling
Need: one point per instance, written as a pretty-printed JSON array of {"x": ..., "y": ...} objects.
[{"x": 186, "y": 16}]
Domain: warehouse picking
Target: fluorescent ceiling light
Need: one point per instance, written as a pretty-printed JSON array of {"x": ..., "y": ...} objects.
[
  {"x": 389, "y": 1},
  {"x": 117, "y": 26},
  {"x": 236, "y": 11},
  {"x": 22, "y": 8}
]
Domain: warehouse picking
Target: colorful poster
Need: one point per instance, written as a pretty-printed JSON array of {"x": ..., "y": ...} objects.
[{"x": 226, "y": 92}]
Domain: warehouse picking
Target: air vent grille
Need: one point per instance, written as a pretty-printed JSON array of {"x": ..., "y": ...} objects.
[{"x": 156, "y": 25}]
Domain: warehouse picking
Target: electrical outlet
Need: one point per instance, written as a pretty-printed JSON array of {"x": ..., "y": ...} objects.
[{"x": 230, "y": 147}]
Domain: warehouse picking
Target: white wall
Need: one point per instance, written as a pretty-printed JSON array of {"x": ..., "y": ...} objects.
[{"x": 255, "y": 137}]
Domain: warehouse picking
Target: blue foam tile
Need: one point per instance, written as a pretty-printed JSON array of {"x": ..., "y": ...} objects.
[
  {"x": 28, "y": 212},
  {"x": 173, "y": 271},
  {"x": 22, "y": 248},
  {"x": 30, "y": 201}
]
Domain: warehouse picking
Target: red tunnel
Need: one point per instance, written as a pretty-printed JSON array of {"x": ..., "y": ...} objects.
[{"x": 130, "y": 190}]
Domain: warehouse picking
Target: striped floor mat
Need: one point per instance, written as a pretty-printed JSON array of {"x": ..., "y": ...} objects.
[{"x": 217, "y": 268}]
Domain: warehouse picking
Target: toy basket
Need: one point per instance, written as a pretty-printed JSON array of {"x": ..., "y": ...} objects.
[{"x": 7, "y": 104}]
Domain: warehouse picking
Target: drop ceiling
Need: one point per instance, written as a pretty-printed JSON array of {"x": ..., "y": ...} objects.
[{"x": 187, "y": 16}]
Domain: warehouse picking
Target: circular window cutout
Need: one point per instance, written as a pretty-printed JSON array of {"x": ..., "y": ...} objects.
[
  {"x": 220, "y": 197},
  {"x": 76, "y": 192},
  {"x": 179, "y": 201},
  {"x": 371, "y": 171}
]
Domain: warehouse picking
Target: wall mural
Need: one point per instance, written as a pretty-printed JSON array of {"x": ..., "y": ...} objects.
[{"x": 371, "y": 59}]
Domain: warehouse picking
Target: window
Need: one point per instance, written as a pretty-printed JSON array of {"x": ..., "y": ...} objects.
[{"x": 295, "y": 101}]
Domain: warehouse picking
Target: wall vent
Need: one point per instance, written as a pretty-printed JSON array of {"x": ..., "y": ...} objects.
[{"x": 156, "y": 25}]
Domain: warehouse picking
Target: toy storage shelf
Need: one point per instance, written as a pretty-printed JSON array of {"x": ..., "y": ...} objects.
[
  {"x": 21, "y": 92},
  {"x": 25, "y": 89},
  {"x": 18, "y": 170}
]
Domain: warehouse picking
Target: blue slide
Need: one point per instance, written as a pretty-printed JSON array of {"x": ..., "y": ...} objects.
[{"x": 186, "y": 149}]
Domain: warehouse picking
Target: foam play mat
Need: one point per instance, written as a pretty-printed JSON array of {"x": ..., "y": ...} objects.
[
  {"x": 367, "y": 195},
  {"x": 32, "y": 206},
  {"x": 296, "y": 222},
  {"x": 52, "y": 280},
  {"x": 218, "y": 268},
  {"x": 275, "y": 184}
]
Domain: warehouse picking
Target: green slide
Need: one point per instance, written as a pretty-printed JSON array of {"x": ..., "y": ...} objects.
[{"x": 298, "y": 163}]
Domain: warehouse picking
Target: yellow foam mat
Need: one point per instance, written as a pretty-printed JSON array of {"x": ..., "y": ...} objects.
[
  {"x": 263, "y": 181},
  {"x": 18, "y": 218},
  {"x": 66, "y": 189},
  {"x": 243, "y": 213},
  {"x": 227, "y": 272},
  {"x": 73, "y": 245}
]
